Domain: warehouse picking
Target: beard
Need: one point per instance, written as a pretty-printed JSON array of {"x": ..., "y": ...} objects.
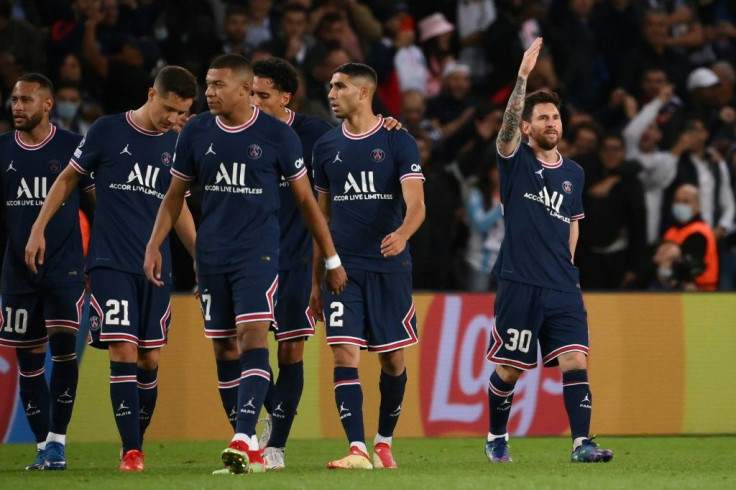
[
  {"x": 29, "y": 123},
  {"x": 545, "y": 143}
]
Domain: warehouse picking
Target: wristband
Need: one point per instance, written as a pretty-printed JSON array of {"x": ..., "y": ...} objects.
[{"x": 332, "y": 262}]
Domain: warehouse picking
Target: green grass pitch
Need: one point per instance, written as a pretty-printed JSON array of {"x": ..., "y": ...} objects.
[{"x": 639, "y": 462}]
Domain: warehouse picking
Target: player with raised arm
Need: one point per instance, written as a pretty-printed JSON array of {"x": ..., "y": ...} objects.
[
  {"x": 44, "y": 307},
  {"x": 238, "y": 153},
  {"x": 366, "y": 176},
  {"x": 538, "y": 299},
  {"x": 274, "y": 83},
  {"x": 130, "y": 155}
]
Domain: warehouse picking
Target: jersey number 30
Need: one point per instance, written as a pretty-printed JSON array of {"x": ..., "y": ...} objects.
[{"x": 518, "y": 340}]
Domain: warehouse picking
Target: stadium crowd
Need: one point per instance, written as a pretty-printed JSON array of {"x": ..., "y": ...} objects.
[{"x": 648, "y": 85}]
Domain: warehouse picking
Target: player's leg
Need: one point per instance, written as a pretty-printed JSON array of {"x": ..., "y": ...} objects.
[
  {"x": 253, "y": 293},
  {"x": 147, "y": 374},
  {"x": 513, "y": 348},
  {"x": 215, "y": 300},
  {"x": 63, "y": 311},
  {"x": 391, "y": 320},
  {"x": 564, "y": 341},
  {"x": 21, "y": 319}
]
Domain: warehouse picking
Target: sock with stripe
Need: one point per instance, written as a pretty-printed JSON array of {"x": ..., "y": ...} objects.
[
  {"x": 228, "y": 379},
  {"x": 124, "y": 397},
  {"x": 268, "y": 401},
  {"x": 286, "y": 396},
  {"x": 254, "y": 381},
  {"x": 392, "y": 395},
  {"x": 349, "y": 401},
  {"x": 500, "y": 397},
  {"x": 147, "y": 395},
  {"x": 34, "y": 393},
  {"x": 578, "y": 401},
  {"x": 64, "y": 377}
]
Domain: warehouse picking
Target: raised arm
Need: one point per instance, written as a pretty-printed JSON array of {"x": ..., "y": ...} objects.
[
  {"x": 510, "y": 134},
  {"x": 64, "y": 185},
  {"x": 168, "y": 214}
]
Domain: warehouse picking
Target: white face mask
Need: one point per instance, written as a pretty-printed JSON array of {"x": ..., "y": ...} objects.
[
  {"x": 66, "y": 110},
  {"x": 682, "y": 212},
  {"x": 665, "y": 272}
]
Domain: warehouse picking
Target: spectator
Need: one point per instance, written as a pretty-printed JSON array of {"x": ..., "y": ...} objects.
[
  {"x": 67, "y": 113},
  {"x": 584, "y": 138},
  {"x": 21, "y": 40},
  {"x": 667, "y": 271},
  {"x": 671, "y": 116},
  {"x": 334, "y": 30},
  {"x": 694, "y": 237},
  {"x": 473, "y": 18},
  {"x": 616, "y": 24},
  {"x": 659, "y": 168},
  {"x": 484, "y": 216},
  {"x": 474, "y": 157},
  {"x": 432, "y": 245},
  {"x": 261, "y": 25},
  {"x": 295, "y": 43},
  {"x": 235, "y": 29},
  {"x": 612, "y": 241},
  {"x": 435, "y": 37},
  {"x": 413, "y": 112}
]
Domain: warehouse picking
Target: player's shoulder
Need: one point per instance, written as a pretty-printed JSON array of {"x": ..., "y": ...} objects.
[
  {"x": 330, "y": 137},
  {"x": 71, "y": 137},
  {"x": 572, "y": 166},
  {"x": 7, "y": 137},
  {"x": 105, "y": 123}
]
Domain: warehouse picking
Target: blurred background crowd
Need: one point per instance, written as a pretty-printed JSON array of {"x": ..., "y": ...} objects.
[{"x": 648, "y": 89}]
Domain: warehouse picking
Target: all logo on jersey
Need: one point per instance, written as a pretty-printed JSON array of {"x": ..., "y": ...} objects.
[
  {"x": 54, "y": 166},
  {"x": 361, "y": 186},
  {"x": 377, "y": 155},
  {"x": 553, "y": 202},
  {"x": 567, "y": 186},
  {"x": 166, "y": 158},
  {"x": 232, "y": 179},
  {"x": 255, "y": 151},
  {"x": 141, "y": 179},
  {"x": 32, "y": 189}
]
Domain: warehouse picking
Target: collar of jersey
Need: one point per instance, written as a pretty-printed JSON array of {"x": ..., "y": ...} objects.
[
  {"x": 551, "y": 165},
  {"x": 26, "y": 146},
  {"x": 237, "y": 129},
  {"x": 292, "y": 115},
  {"x": 352, "y": 136},
  {"x": 147, "y": 132}
]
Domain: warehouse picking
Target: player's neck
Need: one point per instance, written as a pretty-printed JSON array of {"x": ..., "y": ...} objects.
[
  {"x": 142, "y": 118},
  {"x": 548, "y": 156},
  {"x": 361, "y": 122},
  {"x": 37, "y": 134},
  {"x": 237, "y": 118}
]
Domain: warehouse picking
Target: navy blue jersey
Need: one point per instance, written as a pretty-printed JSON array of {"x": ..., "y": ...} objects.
[
  {"x": 539, "y": 201},
  {"x": 363, "y": 175},
  {"x": 131, "y": 172},
  {"x": 239, "y": 169},
  {"x": 296, "y": 241},
  {"x": 27, "y": 173}
]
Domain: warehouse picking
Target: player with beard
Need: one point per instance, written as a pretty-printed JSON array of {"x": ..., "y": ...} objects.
[{"x": 539, "y": 301}]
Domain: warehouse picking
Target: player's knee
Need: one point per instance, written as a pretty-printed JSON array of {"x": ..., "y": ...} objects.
[
  {"x": 62, "y": 344},
  {"x": 225, "y": 349},
  {"x": 346, "y": 355},
  {"x": 572, "y": 361},
  {"x": 508, "y": 374},
  {"x": 291, "y": 352},
  {"x": 148, "y": 359},
  {"x": 252, "y": 336},
  {"x": 123, "y": 351},
  {"x": 392, "y": 363}
]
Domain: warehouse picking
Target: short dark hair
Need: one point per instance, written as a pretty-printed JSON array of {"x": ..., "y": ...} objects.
[
  {"x": 539, "y": 97},
  {"x": 281, "y": 73},
  {"x": 38, "y": 78},
  {"x": 177, "y": 80},
  {"x": 236, "y": 10},
  {"x": 358, "y": 70},
  {"x": 235, "y": 62},
  {"x": 295, "y": 7}
]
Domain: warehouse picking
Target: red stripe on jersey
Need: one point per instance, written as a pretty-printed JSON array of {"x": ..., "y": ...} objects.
[
  {"x": 237, "y": 129},
  {"x": 352, "y": 136},
  {"x": 147, "y": 132},
  {"x": 37, "y": 146}
]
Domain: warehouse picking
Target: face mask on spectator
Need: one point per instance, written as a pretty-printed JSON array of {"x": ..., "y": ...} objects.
[
  {"x": 66, "y": 110},
  {"x": 665, "y": 273},
  {"x": 682, "y": 212}
]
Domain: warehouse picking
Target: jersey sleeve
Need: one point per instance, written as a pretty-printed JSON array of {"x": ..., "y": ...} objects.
[
  {"x": 183, "y": 164},
  {"x": 291, "y": 160},
  {"x": 86, "y": 158},
  {"x": 407, "y": 157},
  {"x": 577, "y": 203},
  {"x": 87, "y": 183},
  {"x": 321, "y": 184}
]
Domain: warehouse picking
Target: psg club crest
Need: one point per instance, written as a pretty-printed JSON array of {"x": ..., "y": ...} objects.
[
  {"x": 94, "y": 323},
  {"x": 567, "y": 186},
  {"x": 255, "y": 152},
  {"x": 166, "y": 158},
  {"x": 377, "y": 155},
  {"x": 54, "y": 166}
]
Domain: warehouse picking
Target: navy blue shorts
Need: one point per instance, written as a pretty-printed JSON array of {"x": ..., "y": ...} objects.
[
  {"x": 526, "y": 314},
  {"x": 293, "y": 318},
  {"x": 126, "y": 307},
  {"x": 375, "y": 311},
  {"x": 24, "y": 318},
  {"x": 242, "y": 296}
]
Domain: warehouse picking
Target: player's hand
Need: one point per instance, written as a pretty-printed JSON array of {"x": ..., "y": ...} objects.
[
  {"x": 391, "y": 123},
  {"x": 152, "y": 265},
  {"x": 530, "y": 58},
  {"x": 336, "y": 280},
  {"x": 315, "y": 302},
  {"x": 183, "y": 119},
  {"x": 35, "y": 250},
  {"x": 393, "y": 244}
]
